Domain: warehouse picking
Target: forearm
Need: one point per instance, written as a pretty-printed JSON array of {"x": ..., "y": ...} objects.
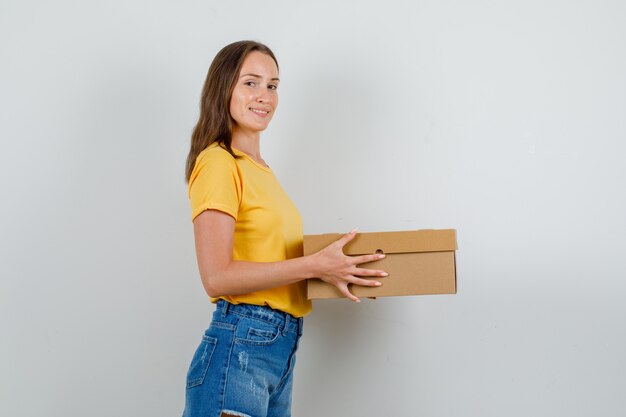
[
  {"x": 243, "y": 277},
  {"x": 221, "y": 275}
]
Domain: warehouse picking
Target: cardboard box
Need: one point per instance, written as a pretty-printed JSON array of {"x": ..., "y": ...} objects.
[{"x": 418, "y": 262}]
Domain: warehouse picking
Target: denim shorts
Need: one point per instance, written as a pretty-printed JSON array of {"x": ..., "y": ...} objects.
[{"x": 244, "y": 363}]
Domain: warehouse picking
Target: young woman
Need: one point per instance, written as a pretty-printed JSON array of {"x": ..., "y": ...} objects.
[{"x": 248, "y": 237}]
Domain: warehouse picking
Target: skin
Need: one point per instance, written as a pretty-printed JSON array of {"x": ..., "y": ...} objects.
[{"x": 257, "y": 89}]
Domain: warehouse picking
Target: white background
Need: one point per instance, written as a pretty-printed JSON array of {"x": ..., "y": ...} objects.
[{"x": 502, "y": 119}]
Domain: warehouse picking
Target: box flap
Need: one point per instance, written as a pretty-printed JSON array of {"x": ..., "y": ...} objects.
[{"x": 428, "y": 240}]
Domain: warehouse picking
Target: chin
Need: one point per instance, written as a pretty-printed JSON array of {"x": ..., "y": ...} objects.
[{"x": 259, "y": 128}]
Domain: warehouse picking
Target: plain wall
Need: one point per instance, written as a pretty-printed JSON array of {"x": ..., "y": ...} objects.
[{"x": 502, "y": 119}]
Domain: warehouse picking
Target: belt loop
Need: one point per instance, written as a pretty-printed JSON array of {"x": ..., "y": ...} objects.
[
  {"x": 225, "y": 305},
  {"x": 286, "y": 316}
]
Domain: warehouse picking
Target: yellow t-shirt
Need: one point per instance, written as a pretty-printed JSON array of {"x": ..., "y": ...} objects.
[{"x": 268, "y": 227}]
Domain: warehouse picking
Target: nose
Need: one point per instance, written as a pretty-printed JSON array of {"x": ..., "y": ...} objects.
[{"x": 263, "y": 96}]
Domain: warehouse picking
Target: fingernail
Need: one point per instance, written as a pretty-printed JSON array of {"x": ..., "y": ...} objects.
[
  {"x": 378, "y": 284},
  {"x": 354, "y": 230},
  {"x": 384, "y": 274},
  {"x": 381, "y": 256},
  {"x": 357, "y": 300}
]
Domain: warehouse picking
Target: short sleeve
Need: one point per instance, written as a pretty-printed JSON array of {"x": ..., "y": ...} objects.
[{"x": 215, "y": 183}]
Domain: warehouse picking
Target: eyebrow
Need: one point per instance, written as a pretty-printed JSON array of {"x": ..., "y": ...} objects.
[{"x": 257, "y": 76}]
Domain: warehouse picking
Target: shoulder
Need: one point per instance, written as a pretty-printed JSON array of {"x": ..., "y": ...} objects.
[
  {"x": 214, "y": 159},
  {"x": 213, "y": 164},
  {"x": 214, "y": 153}
]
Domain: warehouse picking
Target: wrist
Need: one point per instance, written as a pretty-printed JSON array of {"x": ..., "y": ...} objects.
[{"x": 310, "y": 266}]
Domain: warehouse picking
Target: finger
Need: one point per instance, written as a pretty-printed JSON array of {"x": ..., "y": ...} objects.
[
  {"x": 343, "y": 287},
  {"x": 362, "y": 272},
  {"x": 364, "y": 282},
  {"x": 347, "y": 237},
  {"x": 363, "y": 259}
]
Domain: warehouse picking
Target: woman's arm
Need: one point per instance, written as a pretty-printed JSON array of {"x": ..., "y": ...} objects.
[{"x": 214, "y": 235}]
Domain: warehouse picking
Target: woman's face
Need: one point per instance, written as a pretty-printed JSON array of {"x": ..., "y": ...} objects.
[{"x": 255, "y": 96}]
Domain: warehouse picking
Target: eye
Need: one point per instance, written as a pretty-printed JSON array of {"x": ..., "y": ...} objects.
[
  {"x": 272, "y": 87},
  {"x": 249, "y": 83}
]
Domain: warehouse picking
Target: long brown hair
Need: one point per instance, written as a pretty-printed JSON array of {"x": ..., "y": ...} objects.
[{"x": 215, "y": 123}]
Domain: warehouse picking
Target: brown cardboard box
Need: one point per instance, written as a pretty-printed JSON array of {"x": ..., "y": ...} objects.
[{"x": 418, "y": 262}]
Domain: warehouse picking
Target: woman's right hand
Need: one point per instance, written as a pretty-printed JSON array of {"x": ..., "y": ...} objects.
[{"x": 340, "y": 270}]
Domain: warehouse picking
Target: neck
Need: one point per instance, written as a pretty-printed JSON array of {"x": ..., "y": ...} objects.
[{"x": 247, "y": 142}]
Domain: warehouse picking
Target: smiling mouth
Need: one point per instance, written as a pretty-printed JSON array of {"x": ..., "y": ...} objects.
[{"x": 259, "y": 111}]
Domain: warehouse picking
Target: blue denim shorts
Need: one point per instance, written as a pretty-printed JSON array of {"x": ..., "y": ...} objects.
[{"x": 244, "y": 363}]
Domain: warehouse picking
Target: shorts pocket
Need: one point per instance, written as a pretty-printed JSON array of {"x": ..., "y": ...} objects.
[
  {"x": 260, "y": 335},
  {"x": 201, "y": 361},
  {"x": 256, "y": 332}
]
